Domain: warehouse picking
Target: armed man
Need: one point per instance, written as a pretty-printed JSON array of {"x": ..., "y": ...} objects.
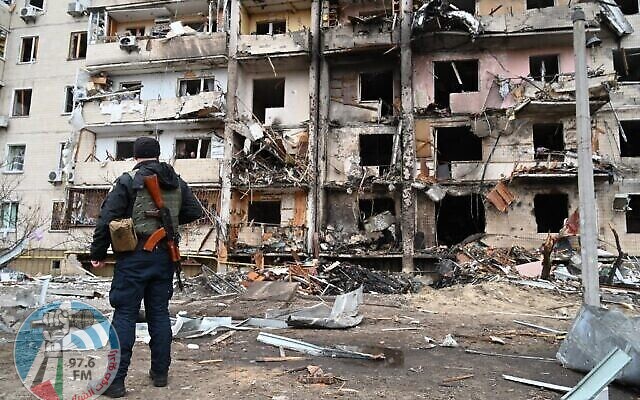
[{"x": 139, "y": 219}]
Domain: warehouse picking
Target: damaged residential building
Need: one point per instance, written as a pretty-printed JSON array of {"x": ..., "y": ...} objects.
[{"x": 358, "y": 130}]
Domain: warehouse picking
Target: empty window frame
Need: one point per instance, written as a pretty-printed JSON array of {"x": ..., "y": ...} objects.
[
  {"x": 544, "y": 68},
  {"x": 3, "y": 42},
  {"x": 267, "y": 93},
  {"x": 628, "y": 7},
  {"x": 55, "y": 264},
  {"x": 550, "y": 209},
  {"x": 533, "y": 4},
  {"x": 29, "y": 49},
  {"x": 78, "y": 45},
  {"x": 132, "y": 85},
  {"x": 454, "y": 144},
  {"x": 193, "y": 148},
  {"x": 21, "y": 102},
  {"x": 454, "y": 77},
  {"x": 61, "y": 155},
  {"x": 633, "y": 214},
  {"x": 124, "y": 150},
  {"x": 58, "y": 222},
  {"x": 378, "y": 86},
  {"x": 264, "y": 212},
  {"x": 192, "y": 87},
  {"x": 458, "y": 217},
  {"x": 15, "y": 158},
  {"x": 137, "y": 31},
  {"x": 375, "y": 150},
  {"x": 626, "y": 62},
  {"x": 271, "y": 27},
  {"x": 68, "y": 100},
  {"x": 84, "y": 206},
  {"x": 629, "y": 132},
  {"x": 465, "y": 5},
  {"x": 8, "y": 216},
  {"x": 548, "y": 142},
  {"x": 39, "y": 4}
]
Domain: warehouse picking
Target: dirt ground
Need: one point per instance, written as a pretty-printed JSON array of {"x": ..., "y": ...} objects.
[{"x": 471, "y": 313}]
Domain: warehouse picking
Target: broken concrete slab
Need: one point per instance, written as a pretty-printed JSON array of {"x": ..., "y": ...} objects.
[
  {"x": 379, "y": 222},
  {"x": 270, "y": 291},
  {"x": 594, "y": 334},
  {"x": 530, "y": 270}
]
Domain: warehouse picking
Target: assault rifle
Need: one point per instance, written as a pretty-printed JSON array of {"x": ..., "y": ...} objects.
[{"x": 167, "y": 230}]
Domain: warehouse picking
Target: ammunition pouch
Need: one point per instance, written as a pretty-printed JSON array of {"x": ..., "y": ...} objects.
[{"x": 123, "y": 235}]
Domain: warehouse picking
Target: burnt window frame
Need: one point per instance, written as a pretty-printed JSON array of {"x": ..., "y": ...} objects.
[
  {"x": 551, "y": 154},
  {"x": 97, "y": 196},
  {"x": 629, "y": 138},
  {"x": 633, "y": 198},
  {"x": 528, "y": 7},
  {"x": 631, "y": 75},
  {"x": 123, "y": 142},
  {"x": 543, "y": 209},
  {"x": 277, "y": 82},
  {"x": 546, "y": 78},
  {"x": 259, "y": 203},
  {"x": 473, "y": 88}
]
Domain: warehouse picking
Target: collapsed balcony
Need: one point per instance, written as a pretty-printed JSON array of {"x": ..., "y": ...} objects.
[
  {"x": 105, "y": 110},
  {"x": 129, "y": 37},
  {"x": 362, "y": 224},
  {"x": 266, "y": 221},
  {"x": 270, "y": 157},
  {"x": 361, "y": 29}
]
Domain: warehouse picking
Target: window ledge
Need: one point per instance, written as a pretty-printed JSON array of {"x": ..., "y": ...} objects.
[
  {"x": 12, "y": 172},
  {"x": 20, "y": 116},
  {"x": 25, "y": 62}
]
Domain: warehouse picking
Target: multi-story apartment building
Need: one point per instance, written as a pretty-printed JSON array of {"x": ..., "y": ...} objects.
[{"x": 335, "y": 129}]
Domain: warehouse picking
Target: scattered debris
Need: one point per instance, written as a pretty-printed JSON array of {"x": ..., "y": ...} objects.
[
  {"x": 485, "y": 353},
  {"x": 193, "y": 346},
  {"x": 314, "y": 350},
  {"x": 496, "y": 339},
  {"x": 315, "y": 375},
  {"x": 550, "y": 386},
  {"x": 457, "y": 378},
  {"x": 343, "y": 314},
  {"x": 449, "y": 341},
  {"x": 539, "y": 327}
]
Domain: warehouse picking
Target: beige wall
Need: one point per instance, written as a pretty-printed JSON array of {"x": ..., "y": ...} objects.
[
  {"x": 46, "y": 127},
  {"x": 296, "y": 21}
]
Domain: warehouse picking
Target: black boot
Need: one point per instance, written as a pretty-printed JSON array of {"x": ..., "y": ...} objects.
[
  {"x": 159, "y": 378},
  {"x": 115, "y": 390}
]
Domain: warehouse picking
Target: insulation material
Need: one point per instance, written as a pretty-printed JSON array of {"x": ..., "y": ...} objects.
[
  {"x": 501, "y": 197},
  {"x": 423, "y": 139}
]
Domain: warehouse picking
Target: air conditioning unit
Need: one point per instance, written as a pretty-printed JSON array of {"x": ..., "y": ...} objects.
[
  {"x": 77, "y": 9},
  {"x": 71, "y": 176},
  {"x": 29, "y": 13},
  {"x": 55, "y": 176},
  {"x": 128, "y": 43},
  {"x": 4, "y": 121}
]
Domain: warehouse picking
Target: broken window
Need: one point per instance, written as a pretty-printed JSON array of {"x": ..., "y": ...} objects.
[
  {"x": 378, "y": 86},
  {"x": 626, "y": 62},
  {"x": 375, "y": 150},
  {"x": 210, "y": 201},
  {"x": 453, "y": 77},
  {"x": 458, "y": 217},
  {"x": 456, "y": 144},
  {"x": 628, "y": 7},
  {"x": 544, "y": 68},
  {"x": 55, "y": 264},
  {"x": 21, "y": 103},
  {"x": 124, "y": 150},
  {"x": 68, "y": 99},
  {"x": 629, "y": 132},
  {"x": 551, "y": 209},
  {"x": 465, "y": 5},
  {"x": 9, "y": 216},
  {"x": 137, "y": 31},
  {"x": 78, "y": 45},
  {"x": 548, "y": 141},
  {"x": 264, "y": 212},
  {"x": 193, "y": 148},
  {"x": 192, "y": 87},
  {"x": 532, "y": 4},
  {"x": 267, "y": 93},
  {"x": 84, "y": 206},
  {"x": 371, "y": 207},
  {"x": 15, "y": 158},
  {"x": 36, "y": 3},
  {"x": 58, "y": 222},
  {"x": 3, "y": 42},
  {"x": 271, "y": 27},
  {"x": 131, "y": 86},
  {"x": 633, "y": 214},
  {"x": 29, "y": 49}
]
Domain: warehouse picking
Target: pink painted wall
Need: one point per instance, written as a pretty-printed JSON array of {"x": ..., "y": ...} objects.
[{"x": 505, "y": 64}]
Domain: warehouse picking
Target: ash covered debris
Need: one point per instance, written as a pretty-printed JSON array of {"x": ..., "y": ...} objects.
[{"x": 442, "y": 15}]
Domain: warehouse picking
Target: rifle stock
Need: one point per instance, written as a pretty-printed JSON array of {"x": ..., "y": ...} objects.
[{"x": 153, "y": 187}]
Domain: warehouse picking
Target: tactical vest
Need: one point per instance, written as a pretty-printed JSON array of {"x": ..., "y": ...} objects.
[{"x": 145, "y": 225}]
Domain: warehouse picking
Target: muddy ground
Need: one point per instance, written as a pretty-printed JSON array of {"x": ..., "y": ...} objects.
[{"x": 411, "y": 370}]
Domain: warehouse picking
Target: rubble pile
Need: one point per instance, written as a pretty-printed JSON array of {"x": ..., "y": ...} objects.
[{"x": 344, "y": 277}]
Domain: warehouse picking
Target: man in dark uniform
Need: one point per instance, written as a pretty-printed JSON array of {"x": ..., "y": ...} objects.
[{"x": 142, "y": 274}]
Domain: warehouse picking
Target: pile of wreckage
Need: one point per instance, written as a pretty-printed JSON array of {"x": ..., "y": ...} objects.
[{"x": 270, "y": 156}]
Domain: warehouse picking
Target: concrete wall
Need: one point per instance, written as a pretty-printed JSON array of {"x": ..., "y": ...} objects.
[
  {"x": 505, "y": 64},
  {"x": 296, "y": 96},
  {"x": 46, "y": 126}
]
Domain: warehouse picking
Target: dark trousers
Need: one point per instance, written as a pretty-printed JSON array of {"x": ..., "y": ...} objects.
[{"x": 149, "y": 276}]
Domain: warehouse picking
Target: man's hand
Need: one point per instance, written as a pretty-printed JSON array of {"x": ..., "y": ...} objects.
[{"x": 98, "y": 264}]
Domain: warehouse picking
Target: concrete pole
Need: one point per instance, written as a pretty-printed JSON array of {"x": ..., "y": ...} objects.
[
  {"x": 232, "y": 88},
  {"x": 312, "y": 197},
  {"x": 323, "y": 132},
  {"x": 588, "y": 223},
  {"x": 408, "y": 207}
]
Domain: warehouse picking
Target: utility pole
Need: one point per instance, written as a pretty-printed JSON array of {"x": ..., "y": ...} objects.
[
  {"x": 408, "y": 217},
  {"x": 586, "y": 190}
]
